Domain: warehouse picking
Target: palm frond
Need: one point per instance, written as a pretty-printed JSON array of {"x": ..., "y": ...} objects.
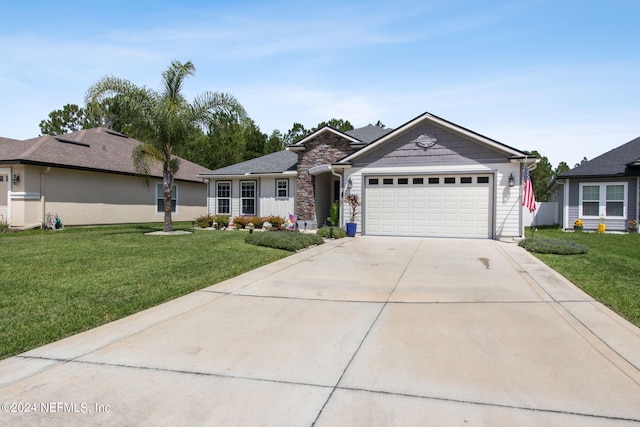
[
  {"x": 144, "y": 157},
  {"x": 207, "y": 105},
  {"x": 173, "y": 79}
]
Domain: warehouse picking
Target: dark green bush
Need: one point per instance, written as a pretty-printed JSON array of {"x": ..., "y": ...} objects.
[
  {"x": 287, "y": 240},
  {"x": 338, "y": 233},
  {"x": 334, "y": 213},
  {"x": 544, "y": 245}
]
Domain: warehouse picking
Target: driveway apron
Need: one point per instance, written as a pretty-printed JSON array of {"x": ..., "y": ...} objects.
[{"x": 356, "y": 332}]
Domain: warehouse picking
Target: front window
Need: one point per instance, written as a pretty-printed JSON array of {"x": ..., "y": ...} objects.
[
  {"x": 160, "y": 198},
  {"x": 248, "y": 197},
  {"x": 591, "y": 200},
  {"x": 615, "y": 200},
  {"x": 603, "y": 200},
  {"x": 223, "y": 197},
  {"x": 282, "y": 188}
]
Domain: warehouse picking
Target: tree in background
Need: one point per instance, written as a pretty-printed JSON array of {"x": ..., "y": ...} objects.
[
  {"x": 562, "y": 168},
  {"x": 70, "y": 118},
  {"x": 295, "y": 134},
  {"x": 541, "y": 177},
  {"x": 275, "y": 142},
  {"x": 338, "y": 124},
  {"x": 163, "y": 121},
  {"x": 254, "y": 140}
]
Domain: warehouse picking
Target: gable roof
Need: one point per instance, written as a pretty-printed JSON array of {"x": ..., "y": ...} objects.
[
  {"x": 300, "y": 145},
  {"x": 369, "y": 133},
  {"x": 98, "y": 149},
  {"x": 621, "y": 161},
  {"x": 428, "y": 117},
  {"x": 274, "y": 163}
]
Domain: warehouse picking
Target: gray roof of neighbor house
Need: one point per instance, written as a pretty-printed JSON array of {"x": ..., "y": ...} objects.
[
  {"x": 621, "y": 161},
  {"x": 98, "y": 149},
  {"x": 369, "y": 133},
  {"x": 279, "y": 162}
]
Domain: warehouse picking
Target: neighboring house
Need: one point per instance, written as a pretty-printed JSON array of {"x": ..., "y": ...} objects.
[
  {"x": 87, "y": 177},
  {"x": 429, "y": 177},
  {"x": 604, "y": 189}
]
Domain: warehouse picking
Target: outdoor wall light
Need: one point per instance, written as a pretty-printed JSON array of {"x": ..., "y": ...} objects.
[
  {"x": 512, "y": 180},
  {"x": 16, "y": 178},
  {"x": 349, "y": 183}
]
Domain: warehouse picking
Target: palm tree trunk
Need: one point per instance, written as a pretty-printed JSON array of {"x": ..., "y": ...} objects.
[{"x": 167, "y": 186}]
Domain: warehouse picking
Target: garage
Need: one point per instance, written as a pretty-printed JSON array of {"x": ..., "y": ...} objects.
[{"x": 429, "y": 205}]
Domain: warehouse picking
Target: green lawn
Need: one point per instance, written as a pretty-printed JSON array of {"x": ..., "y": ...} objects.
[
  {"x": 57, "y": 283},
  {"x": 610, "y": 272}
]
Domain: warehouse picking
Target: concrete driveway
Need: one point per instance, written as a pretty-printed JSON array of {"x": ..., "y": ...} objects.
[{"x": 357, "y": 332}]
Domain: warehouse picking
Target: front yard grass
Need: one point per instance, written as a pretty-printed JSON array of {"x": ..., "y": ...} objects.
[
  {"x": 610, "y": 272},
  {"x": 57, "y": 283}
]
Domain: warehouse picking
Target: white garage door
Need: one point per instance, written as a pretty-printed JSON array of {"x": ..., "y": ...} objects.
[{"x": 429, "y": 205}]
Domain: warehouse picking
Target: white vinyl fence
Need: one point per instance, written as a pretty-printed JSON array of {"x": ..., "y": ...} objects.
[{"x": 545, "y": 214}]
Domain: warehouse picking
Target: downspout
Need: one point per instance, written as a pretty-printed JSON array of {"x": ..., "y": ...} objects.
[
  {"x": 565, "y": 220},
  {"x": 42, "y": 197},
  {"x": 638, "y": 203}
]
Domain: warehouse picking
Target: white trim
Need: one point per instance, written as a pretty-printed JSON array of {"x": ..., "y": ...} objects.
[
  {"x": 255, "y": 197},
  {"x": 298, "y": 146},
  {"x": 602, "y": 202},
  {"x": 316, "y": 170},
  {"x": 248, "y": 175},
  {"x": 217, "y": 198},
  {"x": 277, "y": 181},
  {"x": 565, "y": 216}
]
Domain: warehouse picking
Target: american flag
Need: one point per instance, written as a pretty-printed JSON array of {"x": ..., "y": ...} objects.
[{"x": 528, "y": 197}]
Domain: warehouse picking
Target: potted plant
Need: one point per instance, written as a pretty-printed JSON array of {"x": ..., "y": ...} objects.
[
  {"x": 633, "y": 226},
  {"x": 354, "y": 201},
  {"x": 578, "y": 225}
]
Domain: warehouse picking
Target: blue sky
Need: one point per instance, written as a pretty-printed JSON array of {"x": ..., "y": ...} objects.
[{"x": 558, "y": 76}]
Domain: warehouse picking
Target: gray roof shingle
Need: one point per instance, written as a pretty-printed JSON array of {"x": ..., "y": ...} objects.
[
  {"x": 279, "y": 162},
  {"x": 97, "y": 149},
  {"x": 369, "y": 133},
  {"x": 617, "y": 162}
]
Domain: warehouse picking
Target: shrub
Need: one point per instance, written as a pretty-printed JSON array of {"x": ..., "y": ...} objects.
[
  {"x": 544, "y": 245},
  {"x": 326, "y": 232},
  {"x": 257, "y": 221},
  {"x": 204, "y": 221},
  {"x": 334, "y": 213},
  {"x": 241, "y": 221},
  {"x": 287, "y": 241},
  {"x": 222, "y": 221},
  {"x": 276, "y": 221}
]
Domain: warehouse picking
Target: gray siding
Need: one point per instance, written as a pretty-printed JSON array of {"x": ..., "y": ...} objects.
[{"x": 450, "y": 148}]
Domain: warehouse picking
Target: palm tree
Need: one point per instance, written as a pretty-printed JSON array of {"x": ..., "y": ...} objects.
[{"x": 162, "y": 121}]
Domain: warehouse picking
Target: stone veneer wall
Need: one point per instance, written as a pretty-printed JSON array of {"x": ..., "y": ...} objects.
[{"x": 326, "y": 148}]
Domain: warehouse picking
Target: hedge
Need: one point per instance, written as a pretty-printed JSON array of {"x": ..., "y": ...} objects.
[{"x": 287, "y": 240}]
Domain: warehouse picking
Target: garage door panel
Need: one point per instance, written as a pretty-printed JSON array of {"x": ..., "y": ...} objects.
[{"x": 430, "y": 207}]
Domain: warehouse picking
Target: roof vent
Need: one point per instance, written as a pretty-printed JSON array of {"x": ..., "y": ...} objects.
[
  {"x": 113, "y": 132},
  {"x": 70, "y": 141}
]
